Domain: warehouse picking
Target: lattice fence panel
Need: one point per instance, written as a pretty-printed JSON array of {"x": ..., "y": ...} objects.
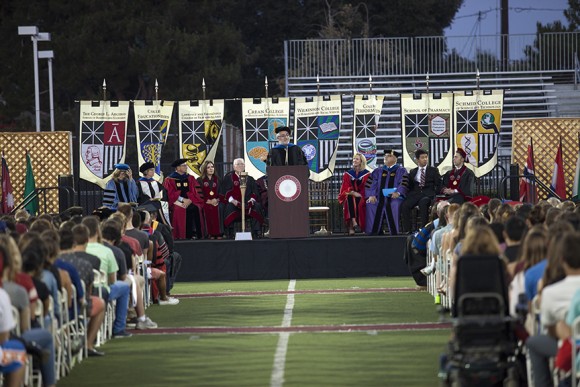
[
  {"x": 50, "y": 153},
  {"x": 546, "y": 134}
]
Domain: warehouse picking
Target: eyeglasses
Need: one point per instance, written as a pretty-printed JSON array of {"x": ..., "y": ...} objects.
[{"x": 282, "y": 135}]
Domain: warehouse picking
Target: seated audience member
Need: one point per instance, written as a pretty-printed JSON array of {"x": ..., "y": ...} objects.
[
  {"x": 173, "y": 262},
  {"x": 514, "y": 230},
  {"x": 213, "y": 208},
  {"x": 13, "y": 360},
  {"x": 352, "y": 194},
  {"x": 121, "y": 188},
  {"x": 479, "y": 240},
  {"x": 159, "y": 254},
  {"x": 535, "y": 273},
  {"x": 232, "y": 195},
  {"x": 424, "y": 184},
  {"x": 492, "y": 207},
  {"x": 41, "y": 338},
  {"x": 391, "y": 176},
  {"x": 73, "y": 243},
  {"x": 552, "y": 215},
  {"x": 111, "y": 233},
  {"x": 459, "y": 182},
  {"x": 185, "y": 204},
  {"x": 554, "y": 307},
  {"x": 533, "y": 251},
  {"x": 118, "y": 290}
]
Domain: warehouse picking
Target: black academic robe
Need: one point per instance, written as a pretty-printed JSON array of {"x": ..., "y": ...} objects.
[{"x": 277, "y": 155}]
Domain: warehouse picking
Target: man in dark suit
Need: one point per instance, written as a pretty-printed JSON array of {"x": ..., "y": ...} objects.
[
  {"x": 424, "y": 183},
  {"x": 458, "y": 183}
]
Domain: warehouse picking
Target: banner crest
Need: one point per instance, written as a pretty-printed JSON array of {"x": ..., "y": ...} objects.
[
  {"x": 478, "y": 126},
  {"x": 427, "y": 124},
  {"x": 317, "y": 129},
  {"x": 261, "y": 116},
  {"x": 200, "y": 124},
  {"x": 152, "y": 122},
  {"x": 102, "y": 138},
  {"x": 367, "y": 112}
]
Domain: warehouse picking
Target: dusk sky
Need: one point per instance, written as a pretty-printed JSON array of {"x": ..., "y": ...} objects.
[{"x": 524, "y": 14}]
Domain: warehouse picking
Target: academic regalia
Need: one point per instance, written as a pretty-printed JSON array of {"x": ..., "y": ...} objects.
[
  {"x": 119, "y": 191},
  {"x": 213, "y": 214},
  {"x": 354, "y": 207},
  {"x": 152, "y": 192},
  {"x": 277, "y": 155},
  {"x": 462, "y": 180},
  {"x": 183, "y": 219},
  {"x": 230, "y": 188},
  {"x": 393, "y": 177}
]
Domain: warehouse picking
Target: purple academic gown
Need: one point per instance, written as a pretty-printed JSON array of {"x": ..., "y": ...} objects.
[{"x": 385, "y": 207}]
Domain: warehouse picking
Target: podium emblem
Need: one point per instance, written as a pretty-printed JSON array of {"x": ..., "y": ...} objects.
[{"x": 287, "y": 188}]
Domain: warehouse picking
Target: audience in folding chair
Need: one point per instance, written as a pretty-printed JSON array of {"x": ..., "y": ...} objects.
[
  {"x": 555, "y": 301},
  {"x": 41, "y": 337},
  {"x": 117, "y": 290},
  {"x": 159, "y": 256},
  {"x": 111, "y": 230},
  {"x": 73, "y": 242},
  {"x": 13, "y": 352}
]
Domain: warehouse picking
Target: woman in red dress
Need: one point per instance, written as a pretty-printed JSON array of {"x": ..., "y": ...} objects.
[
  {"x": 212, "y": 207},
  {"x": 352, "y": 194}
]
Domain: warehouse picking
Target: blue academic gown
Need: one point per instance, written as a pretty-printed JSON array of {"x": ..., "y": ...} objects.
[{"x": 385, "y": 207}]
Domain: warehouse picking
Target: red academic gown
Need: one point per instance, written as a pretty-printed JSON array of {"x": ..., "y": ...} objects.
[
  {"x": 174, "y": 184},
  {"x": 354, "y": 207},
  {"x": 213, "y": 214}
]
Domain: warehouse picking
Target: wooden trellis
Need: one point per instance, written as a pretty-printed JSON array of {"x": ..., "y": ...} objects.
[
  {"x": 546, "y": 134},
  {"x": 51, "y": 157}
]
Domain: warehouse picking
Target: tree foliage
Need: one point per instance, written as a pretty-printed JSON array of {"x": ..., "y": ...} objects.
[{"x": 231, "y": 44}]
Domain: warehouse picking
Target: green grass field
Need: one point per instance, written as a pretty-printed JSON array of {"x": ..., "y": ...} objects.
[{"x": 373, "y": 357}]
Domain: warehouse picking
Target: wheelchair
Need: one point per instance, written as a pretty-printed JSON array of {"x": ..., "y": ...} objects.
[{"x": 484, "y": 349}]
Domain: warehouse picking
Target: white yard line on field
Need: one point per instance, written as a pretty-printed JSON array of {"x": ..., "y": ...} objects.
[{"x": 277, "y": 379}]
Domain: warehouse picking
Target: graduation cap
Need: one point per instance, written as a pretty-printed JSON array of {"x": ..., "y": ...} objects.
[
  {"x": 178, "y": 162},
  {"x": 145, "y": 166},
  {"x": 122, "y": 167},
  {"x": 461, "y": 153},
  {"x": 392, "y": 152},
  {"x": 103, "y": 212},
  {"x": 282, "y": 129},
  {"x": 150, "y": 206}
]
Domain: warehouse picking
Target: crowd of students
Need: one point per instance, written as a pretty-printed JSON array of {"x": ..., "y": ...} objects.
[
  {"x": 539, "y": 245},
  {"x": 103, "y": 260}
]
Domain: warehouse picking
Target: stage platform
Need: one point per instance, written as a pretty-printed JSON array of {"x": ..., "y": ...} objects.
[{"x": 315, "y": 257}]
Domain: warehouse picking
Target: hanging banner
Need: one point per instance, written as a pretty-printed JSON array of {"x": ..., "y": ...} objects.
[
  {"x": 261, "y": 116},
  {"x": 102, "y": 138},
  {"x": 427, "y": 124},
  {"x": 152, "y": 123},
  {"x": 367, "y": 111},
  {"x": 316, "y": 128},
  {"x": 477, "y": 127},
  {"x": 200, "y": 124}
]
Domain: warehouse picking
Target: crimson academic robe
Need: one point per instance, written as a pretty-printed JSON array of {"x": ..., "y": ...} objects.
[
  {"x": 462, "y": 180},
  {"x": 213, "y": 214},
  {"x": 354, "y": 207},
  {"x": 387, "y": 207},
  {"x": 230, "y": 188},
  {"x": 184, "y": 186}
]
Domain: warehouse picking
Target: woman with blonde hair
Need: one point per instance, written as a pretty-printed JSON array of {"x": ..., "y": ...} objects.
[
  {"x": 352, "y": 194},
  {"x": 121, "y": 188}
]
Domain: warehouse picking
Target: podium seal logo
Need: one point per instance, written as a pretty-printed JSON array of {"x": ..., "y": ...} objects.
[{"x": 287, "y": 188}]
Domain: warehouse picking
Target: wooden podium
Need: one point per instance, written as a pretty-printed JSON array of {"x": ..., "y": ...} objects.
[{"x": 288, "y": 201}]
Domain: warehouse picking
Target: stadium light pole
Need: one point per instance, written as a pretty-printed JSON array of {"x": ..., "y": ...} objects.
[
  {"x": 36, "y": 37},
  {"x": 49, "y": 55}
]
